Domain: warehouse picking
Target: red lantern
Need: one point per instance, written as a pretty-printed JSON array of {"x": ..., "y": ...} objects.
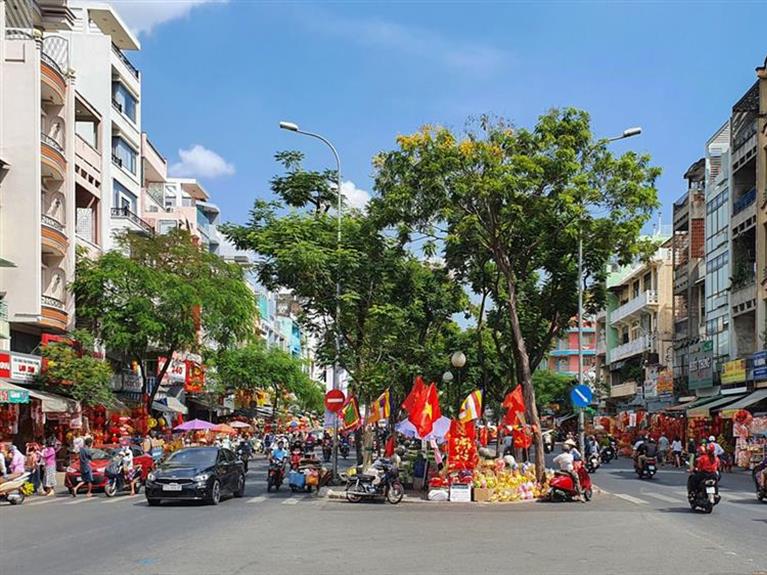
[{"x": 742, "y": 417}]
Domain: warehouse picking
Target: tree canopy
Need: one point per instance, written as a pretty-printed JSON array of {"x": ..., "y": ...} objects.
[{"x": 517, "y": 200}]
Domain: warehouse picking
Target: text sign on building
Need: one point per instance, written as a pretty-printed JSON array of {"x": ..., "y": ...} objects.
[
  {"x": 14, "y": 396},
  {"x": 734, "y": 371},
  {"x": 759, "y": 362},
  {"x": 665, "y": 385},
  {"x": 19, "y": 368},
  {"x": 701, "y": 373}
]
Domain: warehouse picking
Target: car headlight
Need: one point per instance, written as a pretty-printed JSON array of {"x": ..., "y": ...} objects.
[
  {"x": 202, "y": 477},
  {"x": 151, "y": 477}
]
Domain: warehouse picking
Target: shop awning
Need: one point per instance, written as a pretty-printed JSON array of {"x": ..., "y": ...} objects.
[
  {"x": 13, "y": 393},
  {"x": 749, "y": 400},
  {"x": 690, "y": 404},
  {"x": 170, "y": 405},
  {"x": 53, "y": 403},
  {"x": 705, "y": 409}
]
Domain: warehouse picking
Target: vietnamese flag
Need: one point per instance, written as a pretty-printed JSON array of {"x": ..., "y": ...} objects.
[
  {"x": 514, "y": 403},
  {"x": 425, "y": 411},
  {"x": 414, "y": 397}
]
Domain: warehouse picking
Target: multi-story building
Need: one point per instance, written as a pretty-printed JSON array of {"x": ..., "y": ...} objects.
[
  {"x": 761, "y": 187},
  {"x": 37, "y": 171},
  {"x": 639, "y": 327},
  {"x": 689, "y": 250},
  {"x": 563, "y": 357}
]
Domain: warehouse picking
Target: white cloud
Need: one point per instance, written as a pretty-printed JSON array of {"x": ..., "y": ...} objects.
[
  {"x": 419, "y": 43},
  {"x": 200, "y": 162},
  {"x": 355, "y": 197},
  {"x": 142, "y": 16}
]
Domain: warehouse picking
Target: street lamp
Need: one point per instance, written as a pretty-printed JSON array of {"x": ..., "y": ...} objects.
[
  {"x": 292, "y": 127},
  {"x": 458, "y": 360},
  {"x": 447, "y": 377},
  {"x": 627, "y": 133}
]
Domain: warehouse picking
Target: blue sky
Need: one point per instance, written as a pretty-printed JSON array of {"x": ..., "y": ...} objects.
[{"x": 219, "y": 76}]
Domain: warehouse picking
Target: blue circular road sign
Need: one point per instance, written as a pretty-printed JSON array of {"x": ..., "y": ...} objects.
[{"x": 581, "y": 395}]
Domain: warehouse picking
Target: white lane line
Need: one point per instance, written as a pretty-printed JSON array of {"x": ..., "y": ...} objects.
[
  {"x": 665, "y": 498},
  {"x": 631, "y": 499},
  {"x": 42, "y": 501},
  {"x": 680, "y": 492},
  {"x": 291, "y": 501},
  {"x": 257, "y": 499},
  {"x": 80, "y": 499},
  {"x": 122, "y": 498}
]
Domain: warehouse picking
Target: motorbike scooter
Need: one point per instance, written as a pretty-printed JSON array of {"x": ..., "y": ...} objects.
[
  {"x": 607, "y": 454},
  {"x": 706, "y": 496},
  {"x": 562, "y": 486},
  {"x": 117, "y": 481},
  {"x": 761, "y": 490},
  {"x": 593, "y": 462},
  {"x": 327, "y": 451},
  {"x": 360, "y": 486},
  {"x": 344, "y": 449},
  {"x": 275, "y": 475},
  {"x": 648, "y": 470},
  {"x": 11, "y": 489}
]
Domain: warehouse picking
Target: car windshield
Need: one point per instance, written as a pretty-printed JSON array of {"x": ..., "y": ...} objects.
[{"x": 198, "y": 457}]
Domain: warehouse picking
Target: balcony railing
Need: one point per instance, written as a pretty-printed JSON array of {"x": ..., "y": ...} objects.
[
  {"x": 53, "y": 302},
  {"x": 125, "y": 212},
  {"x": 46, "y": 139},
  {"x": 125, "y": 61},
  {"x": 117, "y": 105},
  {"x": 52, "y": 223},
  {"x": 744, "y": 201},
  {"x": 3, "y": 310},
  {"x": 633, "y": 347},
  {"x": 648, "y": 297}
]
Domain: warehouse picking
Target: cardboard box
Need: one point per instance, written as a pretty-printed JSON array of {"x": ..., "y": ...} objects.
[
  {"x": 481, "y": 494},
  {"x": 460, "y": 493}
]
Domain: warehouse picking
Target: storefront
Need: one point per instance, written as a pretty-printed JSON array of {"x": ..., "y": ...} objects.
[{"x": 748, "y": 418}]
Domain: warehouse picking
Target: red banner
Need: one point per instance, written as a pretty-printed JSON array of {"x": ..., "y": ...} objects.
[
  {"x": 462, "y": 447},
  {"x": 195, "y": 377}
]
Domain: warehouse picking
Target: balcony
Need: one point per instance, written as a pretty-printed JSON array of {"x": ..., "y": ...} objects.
[
  {"x": 744, "y": 201},
  {"x": 634, "y": 347},
  {"x": 54, "y": 312},
  {"x": 681, "y": 278},
  {"x": 623, "y": 389},
  {"x": 743, "y": 294},
  {"x": 52, "y": 157},
  {"x": 634, "y": 307},
  {"x": 601, "y": 346},
  {"x": 128, "y": 66},
  {"x": 137, "y": 224},
  {"x": 54, "y": 236}
]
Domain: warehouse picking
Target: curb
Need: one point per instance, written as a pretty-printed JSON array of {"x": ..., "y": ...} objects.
[{"x": 341, "y": 496}]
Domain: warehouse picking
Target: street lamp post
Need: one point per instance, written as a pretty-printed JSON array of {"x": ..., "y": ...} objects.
[
  {"x": 292, "y": 127},
  {"x": 458, "y": 360},
  {"x": 628, "y": 133}
]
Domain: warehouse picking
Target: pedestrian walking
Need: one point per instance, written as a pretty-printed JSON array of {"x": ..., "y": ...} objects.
[
  {"x": 49, "y": 462},
  {"x": 663, "y": 445},
  {"x": 86, "y": 468},
  {"x": 17, "y": 460},
  {"x": 676, "y": 450}
]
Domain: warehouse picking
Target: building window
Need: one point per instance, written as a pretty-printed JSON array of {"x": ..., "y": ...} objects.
[
  {"x": 124, "y": 100},
  {"x": 635, "y": 289},
  {"x": 167, "y": 225},
  {"x": 123, "y": 154},
  {"x": 647, "y": 281},
  {"x": 122, "y": 197}
]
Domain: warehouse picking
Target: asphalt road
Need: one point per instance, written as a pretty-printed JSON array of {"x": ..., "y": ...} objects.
[{"x": 636, "y": 527}]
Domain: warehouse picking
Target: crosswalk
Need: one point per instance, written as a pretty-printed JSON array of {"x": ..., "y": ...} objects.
[
  {"x": 303, "y": 500},
  {"x": 679, "y": 497}
]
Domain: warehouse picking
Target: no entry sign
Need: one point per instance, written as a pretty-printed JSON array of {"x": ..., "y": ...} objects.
[{"x": 334, "y": 400}]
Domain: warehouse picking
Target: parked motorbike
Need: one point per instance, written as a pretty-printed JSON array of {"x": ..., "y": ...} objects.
[
  {"x": 275, "y": 475},
  {"x": 562, "y": 485},
  {"x": 344, "y": 449},
  {"x": 327, "y": 451},
  {"x": 593, "y": 462},
  {"x": 705, "y": 497},
  {"x": 360, "y": 486},
  {"x": 607, "y": 454},
  {"x": 11, "y": 490},
  {"x": 648, "y": 470},
  {"x": 117, "y": 482}
]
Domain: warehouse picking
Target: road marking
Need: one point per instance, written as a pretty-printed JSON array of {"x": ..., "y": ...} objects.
[
  {"x": 631, "y": 499},
  {"x": 257, "y": 499},
  {"x": 291, "y": 501},
  {"x": 665, "y": 498},
  {"x": 41, "y": 501},
  {"x": 122, "y": 498},
  {"x": 81, "y": 499}
]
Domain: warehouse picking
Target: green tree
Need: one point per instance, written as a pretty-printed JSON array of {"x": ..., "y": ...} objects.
[
  {"x": 71, "y": 368},
  {"x": 522, "y": 197},
  {"x": 255, "y": 366},
  {"x": 166, "y": 295},
  {"x": 395, "y": 307},
  {"x": 551, "y": 387}
]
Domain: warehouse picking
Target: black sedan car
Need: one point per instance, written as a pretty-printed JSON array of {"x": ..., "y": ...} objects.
[{"x": 196, "y": 474}]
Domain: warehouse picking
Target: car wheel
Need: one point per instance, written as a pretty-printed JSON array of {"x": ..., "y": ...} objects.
[
  {"x": 215, "y": 493},
  {"x": 240, "y": 491},
  {"x": 153, "y": 502}
]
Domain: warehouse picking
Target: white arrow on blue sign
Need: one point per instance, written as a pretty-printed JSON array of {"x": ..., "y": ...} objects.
[{"x": 581, "y": 395}]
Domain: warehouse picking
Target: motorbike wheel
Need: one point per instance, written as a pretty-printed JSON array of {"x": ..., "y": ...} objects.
[
  {"x": 110, "y": 489},
  {"x": 352, "y": 497},
  {"x": 707, "y": 507},
  {"x": 18, "y": 500},
  {"x": 395, "y": 493},
  {"x": 268, "y": 484},
  {"x": 587, "y": 494}
]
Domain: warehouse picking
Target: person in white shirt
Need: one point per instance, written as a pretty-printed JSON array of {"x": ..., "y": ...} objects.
[
  {"x": 676, "y": 449},
  {"x": 718, "y": 449},
  {"x": 566, "y": 464},
  {"x": 127, "y": 462}
]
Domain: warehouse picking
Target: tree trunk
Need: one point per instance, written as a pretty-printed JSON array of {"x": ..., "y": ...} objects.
[{"x": 524, "y": 376}]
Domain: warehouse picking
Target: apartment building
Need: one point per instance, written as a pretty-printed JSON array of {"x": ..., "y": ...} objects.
[
  {"x": 37, "y": 170},
  {"x": 563, "y": 357},
  {"x": 689, "y": 250},
  {"x": 639, "y": 327}
]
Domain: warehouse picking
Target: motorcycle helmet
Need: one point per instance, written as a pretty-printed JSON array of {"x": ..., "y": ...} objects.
[
  {"x": 711, "y": 448},
  {"x": 712, "y": 439}
]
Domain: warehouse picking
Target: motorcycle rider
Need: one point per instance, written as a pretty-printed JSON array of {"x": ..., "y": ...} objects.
[
  {"x": 718, "y": 449},
  {"x": 705, "y": 466},
  {"x": 646, "y": 449},
  {"x": 278, "y": 453},
  {"x": 592, "y": 447},
  {"x": 565, "y": 461}
]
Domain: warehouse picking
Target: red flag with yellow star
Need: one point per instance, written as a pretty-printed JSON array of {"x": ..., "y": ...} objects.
[{"x": 425, "y": 410}]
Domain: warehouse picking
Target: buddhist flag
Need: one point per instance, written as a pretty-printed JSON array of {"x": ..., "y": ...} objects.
[
  {"x": 514, "y": 403},
  {"x": 350, "y": 415},
  {"x": 380, "y": 408},
  {"x": 471, "y": 408},
  {"x": 425, "y": 411}
]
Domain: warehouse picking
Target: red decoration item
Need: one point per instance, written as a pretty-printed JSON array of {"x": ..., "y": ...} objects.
[
  {"x": 742, "y": 417},
  {"x": 462, "y": 447}
]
